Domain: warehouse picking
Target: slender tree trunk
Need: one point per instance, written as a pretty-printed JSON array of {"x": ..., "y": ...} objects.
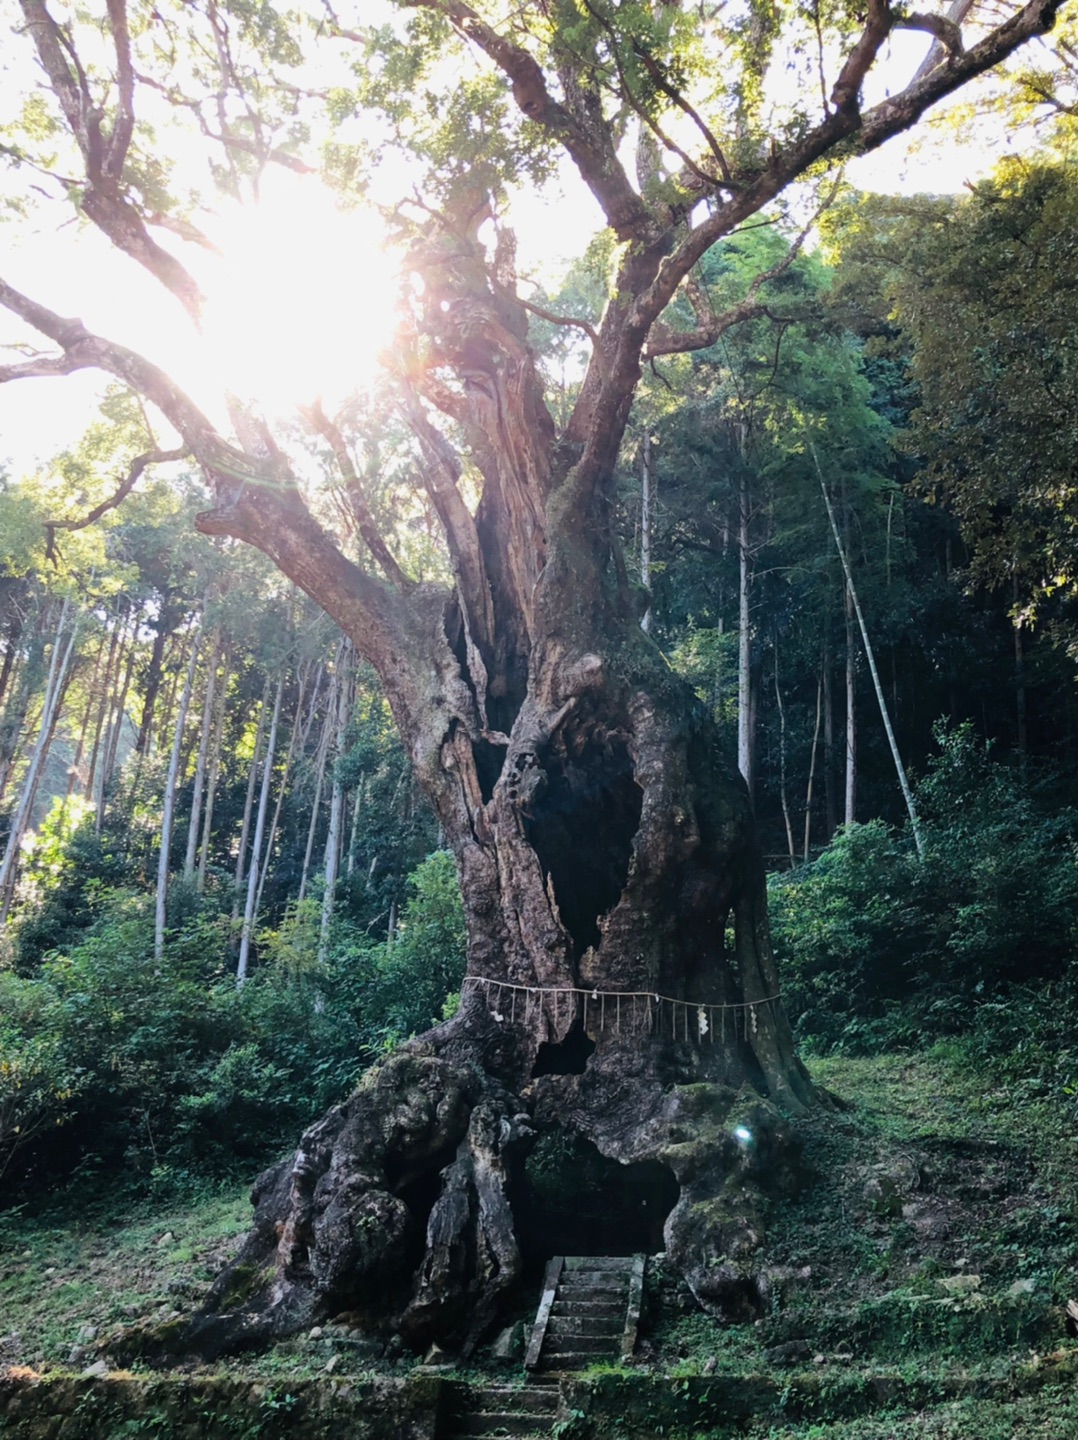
[
  {"x": 107, "y": 642},
  {"x": 103, "y": 698},
  {"x": 646, "y": 502},
  {"x": 744, "y": 638},
  {"x": 169, "y": 808},
  {"x": 254, "y": 868},
  {"x": 907, "y": 794},
  {"x": 850, "y": 808},
  {"x": 812, "y": 768},
  {"x": 336, "y": 806},
  {"x": 248, "y": 804},
  {"x": 204, "y": 737},
  {"x": 153, "y": 685},
  {"x": 282, "y": 789},
  {"x": 830, "y": 797},
  {"x": 117, "y": 716},
  {"x": 357, "y": 807},
  {"x": 783, "y": 797},
  {"x": 27, "y": 679},
  {"x": 62, "y": 649},
  {"x": 12, "y": 635},
  {"x": 215, "y": 770},
  {"x": 320, "y": 773}
]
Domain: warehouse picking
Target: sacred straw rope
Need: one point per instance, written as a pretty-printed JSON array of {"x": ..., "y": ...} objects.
[{"x": 705, "y": 1013}]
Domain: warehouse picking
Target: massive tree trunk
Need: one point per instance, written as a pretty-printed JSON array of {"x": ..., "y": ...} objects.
[{"x": 620, "y": 981}]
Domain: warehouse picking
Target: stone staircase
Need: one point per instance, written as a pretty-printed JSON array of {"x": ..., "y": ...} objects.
[
  {"x": 523, "y": 1412},
  {"x": 589, "y": 1313}
]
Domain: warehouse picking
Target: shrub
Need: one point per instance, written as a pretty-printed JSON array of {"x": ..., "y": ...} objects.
[{"x": 879, "y": 949}]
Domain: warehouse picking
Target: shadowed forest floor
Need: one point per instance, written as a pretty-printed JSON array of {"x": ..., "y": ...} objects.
[{"x": 926, "y": 1270}]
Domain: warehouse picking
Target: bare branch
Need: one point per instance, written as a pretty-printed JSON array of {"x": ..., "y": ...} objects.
[
  {"x": 710, "y": 326},
  {"x": 655, "y": 71},
  {"x": 257, "y": 497},
  {"x": 40, "y": 367},
  {"x": 319, "y": 421},
  {"x": 548, "y": 315},
  {"x": 126, "y": 485}
]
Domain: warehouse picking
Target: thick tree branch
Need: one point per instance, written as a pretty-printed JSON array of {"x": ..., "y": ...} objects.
[
  {"x": 361, "y": 511},
  {"x": 846, "y": 92},
  {"x": 41, "y": 366},
  {"x": 440, "y": 476},
  {"x": 120, "y": 141},
  {"x": 650, "y": 275},
  {"x": 590, "y": 147},
  {"x": 257, "y": 498},
  {"x": 957, "y": 13},
  {"x": 103, "y": 200},
  {"x": 709, "y": 327},
  {"x": 946, "y": 31}
]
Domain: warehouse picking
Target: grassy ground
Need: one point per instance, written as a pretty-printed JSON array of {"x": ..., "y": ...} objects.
[{"x": 935, "y": 1249}]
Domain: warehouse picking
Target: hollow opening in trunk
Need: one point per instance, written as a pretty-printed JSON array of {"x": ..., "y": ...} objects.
[
  {"x": 581, "y": 823},
  {"x": 567, "y": 1058},
  {"x": 419, "y": 1187},
  {"x": 571, "y": 1200}
]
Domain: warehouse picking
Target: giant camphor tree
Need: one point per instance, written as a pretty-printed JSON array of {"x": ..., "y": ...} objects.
[{"x": 620, "y": 979}]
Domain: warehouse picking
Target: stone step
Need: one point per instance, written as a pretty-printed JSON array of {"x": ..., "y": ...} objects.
[
  {"x": 608, "y": 1306},
  {"x": 597, "y": 1282},
  {"x": 581, "y": 1344},
  {"x": 570, "y": 1360},
  {"x": 618, "y": 1263},
  {"x": 528, "y": 1398},
  {"x": 504, "y": 1422},
  {"x": 586, "y": 1324}
]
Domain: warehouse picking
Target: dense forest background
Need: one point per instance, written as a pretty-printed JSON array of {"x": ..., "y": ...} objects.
[{"x": 223, "y": 896}]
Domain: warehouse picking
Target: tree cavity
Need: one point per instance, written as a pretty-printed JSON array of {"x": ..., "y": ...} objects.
[{"x": 581, "y": 820}]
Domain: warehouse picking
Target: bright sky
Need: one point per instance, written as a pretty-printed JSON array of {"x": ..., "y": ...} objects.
[{"x": 305, "y": 295}]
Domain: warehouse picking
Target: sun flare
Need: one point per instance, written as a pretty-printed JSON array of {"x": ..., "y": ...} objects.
[{"x": 301, "y": 300}]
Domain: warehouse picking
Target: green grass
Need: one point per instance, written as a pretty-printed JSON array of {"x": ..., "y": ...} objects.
[
  {"x": 59, "y": 1280},
  {"x": 962, "y": 1273}
]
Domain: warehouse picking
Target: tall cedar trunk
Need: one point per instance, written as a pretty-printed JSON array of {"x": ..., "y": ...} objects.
[
  {"x": 154, "y": 673},
  {"x": 205, "y": 733},
  {"x": 14, "y": 620},
  {"x": 336, "y": 804},
  {"x": 248, "y": 804},
  {"x": 63, "y": 646},
  {"x": 744, "y": 635},
  {"x": 27, "y": 679},
  {"x": 830, "y": 799},
  {"x": 169, "y": 807},
  {"x": 282, "y": 788},
  {"x": 117, "y": 716},
  {"x": 107, "y": 641},
  {"x": 255, "y": 865},
  {"x": 103, "y": 697},
  {"x": 320, "y": 780},
  {"x": 215, "y": 770},
  {"x": 784, "y": 799},
  {"x": 850, "y": 809}
]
